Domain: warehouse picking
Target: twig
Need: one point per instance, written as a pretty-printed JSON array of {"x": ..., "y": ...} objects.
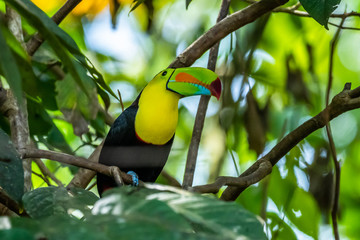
[
  {"x": 170, "y": 179},
  {"x": 46, "y": 172},
  {"x": 222, "y": 29},
  {"x": 11, "y": 204},
  {"x": 201, "y": 112},
  {"x": 79, "y": 162},
  {"x": 120, "y": 99},
  {"x": 299, "y": 13},
  {"x": 346, "y": 28},
  {"x": 330, "y": 137},
  {"x": 345, "y": 101},
  {"x": 91, "y": 186},
  {"x": 35, "y": 42},
  {"x": 42, "y": 177}
]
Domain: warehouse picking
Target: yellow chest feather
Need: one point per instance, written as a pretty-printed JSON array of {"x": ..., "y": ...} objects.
[{"x": 157, "y": 116}]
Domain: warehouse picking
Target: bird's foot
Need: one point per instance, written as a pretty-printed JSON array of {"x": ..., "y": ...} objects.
[{"x": 135, "y": 178}]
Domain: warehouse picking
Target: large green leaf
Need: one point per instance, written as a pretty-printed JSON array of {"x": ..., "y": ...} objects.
[
  {"x": 71, "y": 97},
  {"x": 58, "y": 227},
  {"x": 8, "y": 66},
  {"x": 208, "y": 217},
  {"x": 11, "y": 170},
  {"x": 301, "y": 209},
  {"x": 16, "y": 234},
  {"x": 320, "y": 10},
  {"x": 43, "y": 202}
]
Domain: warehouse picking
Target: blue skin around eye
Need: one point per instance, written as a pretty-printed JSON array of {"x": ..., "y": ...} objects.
[{"x": 135, "y": 178}]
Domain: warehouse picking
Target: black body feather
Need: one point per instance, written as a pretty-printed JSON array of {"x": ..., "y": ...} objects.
[{"x": 124, "y": 149}]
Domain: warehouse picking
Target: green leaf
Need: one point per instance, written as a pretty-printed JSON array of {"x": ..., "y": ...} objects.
[
  {"x": 56, "y": 139},
  {"x": 176, "y": 211},
  {"x": 279, "y": 229},
  {"x": 56, "y": 37},
  {"x": 16, "y": 234},
  {"x": 43, "y": 202},
  {"x": 9, "y": 68},
  {"x": 71, "y": 96},
  {"x": 60, "y": 42},
  {"x": 40, "y": 123},
  {"x": 135, "y": 4},
  {"x": 188, "y": 3},
  {"x": 320, "y": 10},
  {"x": 11, "y": 170},
  {"x": 301, "y": 209},
  {"x": 59, "y": 227}
]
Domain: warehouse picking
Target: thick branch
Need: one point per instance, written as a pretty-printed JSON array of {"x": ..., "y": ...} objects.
[
  {"x": 222, "y": 29},
  {"x": 83, "y": 177},
  {"x": 79, "y": 162},
  {"x": 344, "y": 101},
  {"x": 16, "y": 109}
]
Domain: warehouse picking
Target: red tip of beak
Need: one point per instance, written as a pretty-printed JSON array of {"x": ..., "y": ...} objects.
[{"x": 215, "y": 88}]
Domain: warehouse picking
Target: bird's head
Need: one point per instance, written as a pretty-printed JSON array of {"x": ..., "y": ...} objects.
[{"x": 191, "y": 81}]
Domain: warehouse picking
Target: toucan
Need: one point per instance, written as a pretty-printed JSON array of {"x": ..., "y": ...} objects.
[{"x": 140, "y": 139}]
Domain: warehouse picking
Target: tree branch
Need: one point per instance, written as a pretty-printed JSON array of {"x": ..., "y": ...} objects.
[
  {"x": 46, "y": 172},
  {"x": 330, "y": 137},
  {"x": 83, "y": 177},
  {"x": 344, "y": 101},
  {"x": 201, "y": 112},
  {"x": 35, "y": 42},
  {"x": 11, "y": 204},
  {"x": 16, "y": 109},
  {"x": 299, "y": 13},
  {"x": 111, "y": 171},
  {"x": 261, "y": 172},
  {"x": 222, "y": 29}
]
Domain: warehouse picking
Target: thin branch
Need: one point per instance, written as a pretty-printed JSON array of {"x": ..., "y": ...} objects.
[
  {"x": 120, "y": 99},
  {"x": 345, "y": 101},
  {"x": 261, "y": 172},
  {"x": 201, "y": 112},
  {"x": 11, "y": 204},
  {"x": 170, "y": 179},
  {"x": 222, "y": 29},
  {"x": 330, "y": 137},
  {"x": 42, "y": 177},
  {"x": 346, "y": 28},
  {"x": 35, "y": 42},
  {"x": 79, "y": 162},
  {"x": 46, "y": 172},
  {"x": 299, "y": 13}
]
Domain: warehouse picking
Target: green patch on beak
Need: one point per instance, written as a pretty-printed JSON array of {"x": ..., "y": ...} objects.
[{"x": 194, "y": 81}]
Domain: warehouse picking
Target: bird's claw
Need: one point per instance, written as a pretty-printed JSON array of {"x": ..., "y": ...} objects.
[{"x": 135, "y": 178}]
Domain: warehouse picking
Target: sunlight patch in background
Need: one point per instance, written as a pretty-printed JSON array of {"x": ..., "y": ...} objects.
[{"x": 122, "y": 43}]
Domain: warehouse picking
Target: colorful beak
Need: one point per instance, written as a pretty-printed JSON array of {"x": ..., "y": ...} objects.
[{"x": 194, "y": 81}]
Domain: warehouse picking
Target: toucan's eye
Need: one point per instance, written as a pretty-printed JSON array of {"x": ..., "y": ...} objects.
[{"x": 164, "y": 73}]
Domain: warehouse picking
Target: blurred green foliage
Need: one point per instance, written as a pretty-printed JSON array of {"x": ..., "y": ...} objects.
[{"x": 281, "y": 57}]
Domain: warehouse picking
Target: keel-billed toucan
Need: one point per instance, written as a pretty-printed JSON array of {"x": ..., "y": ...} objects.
[{"x": 141, "y": 137}]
